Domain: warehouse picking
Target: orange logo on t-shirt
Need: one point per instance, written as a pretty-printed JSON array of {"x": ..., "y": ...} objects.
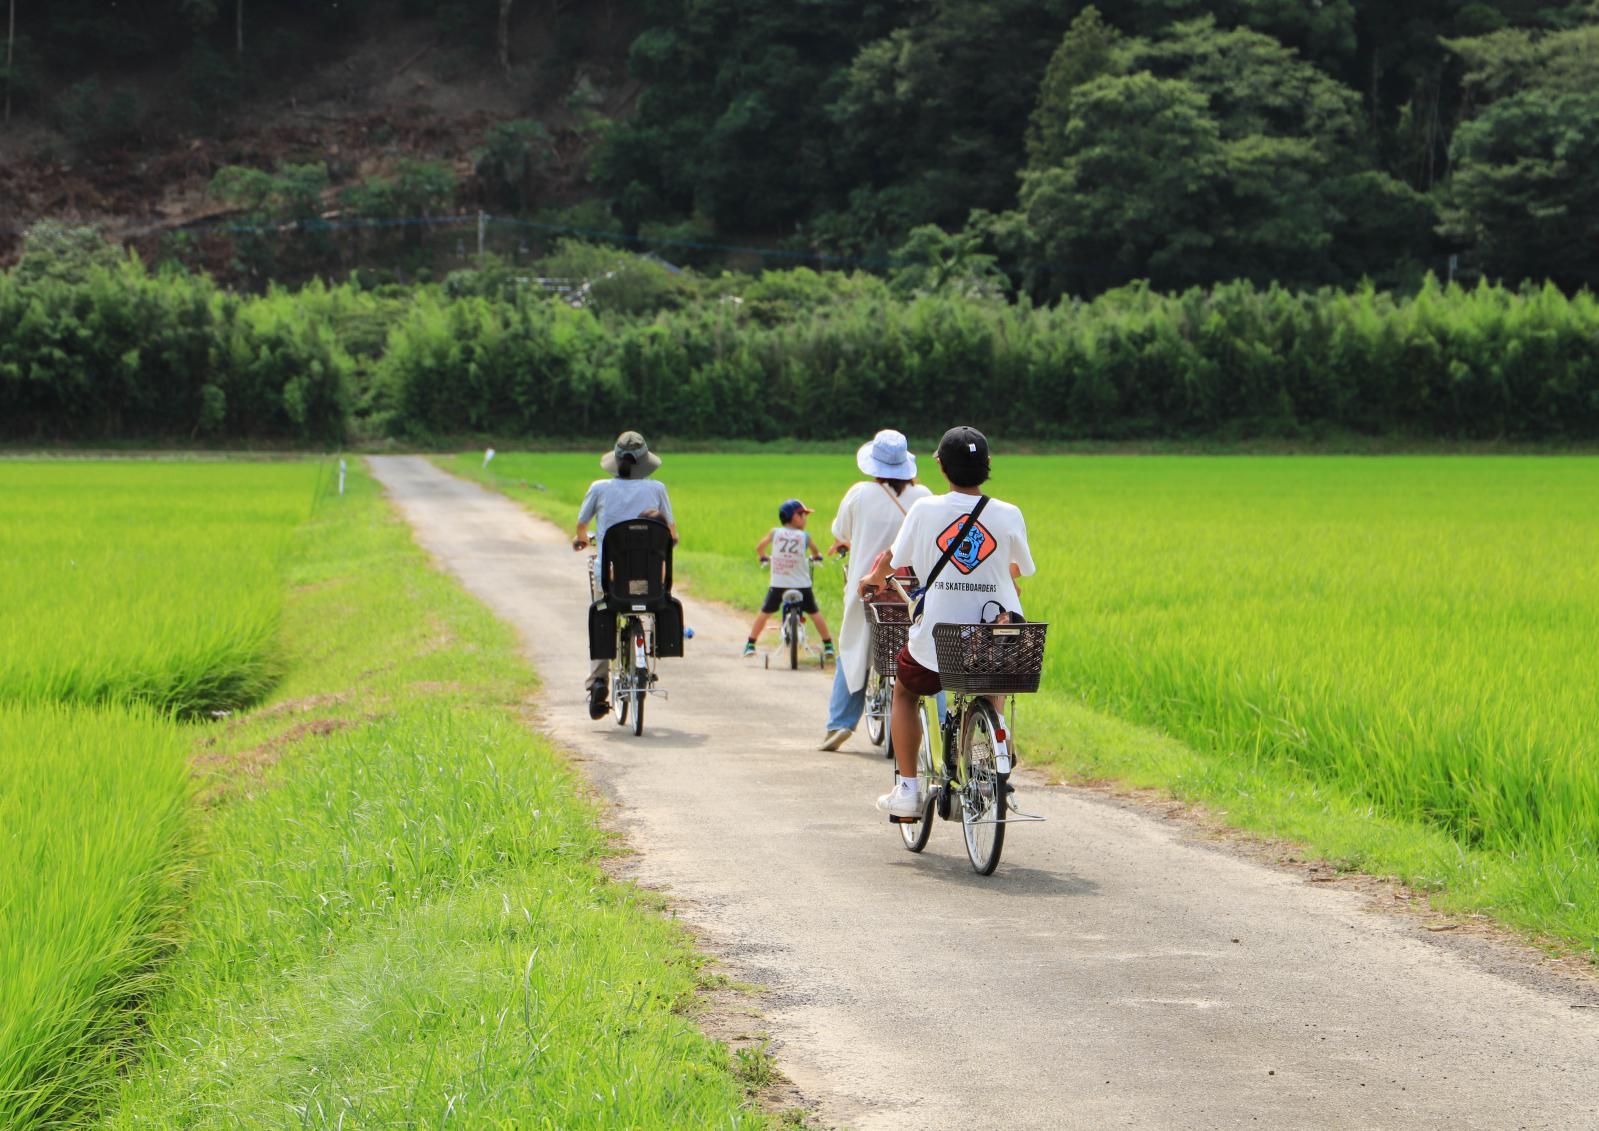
[{"x": 973, "y": 550}]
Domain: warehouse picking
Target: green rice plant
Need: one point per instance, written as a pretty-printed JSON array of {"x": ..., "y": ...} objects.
[
  {"x": 94, "y": 804},
  {"x": 399, "y": 918},
  {"x": 149, "y": 582},
  {"x": 1386, "y": 657}
]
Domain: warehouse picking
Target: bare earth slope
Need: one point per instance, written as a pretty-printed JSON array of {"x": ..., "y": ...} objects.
[{"x": 1110, "y": 974}]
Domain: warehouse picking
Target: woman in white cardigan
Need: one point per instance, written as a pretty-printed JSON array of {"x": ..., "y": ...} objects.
[{"x": 869, "y": 516}]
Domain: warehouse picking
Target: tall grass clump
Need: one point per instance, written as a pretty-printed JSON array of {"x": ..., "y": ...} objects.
[
  {"x": 94, "y": 806},
  {"x": 1386, "y": 657},
  {"x": 150, "y": 582}
]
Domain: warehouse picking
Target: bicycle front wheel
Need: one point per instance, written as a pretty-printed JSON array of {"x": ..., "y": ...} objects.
[
  {"x": 982, "y": 788},
  {"x": 878, "y": 691},
  {"x": 793, "y": 643},
  {"x": 915, "y": 836}
]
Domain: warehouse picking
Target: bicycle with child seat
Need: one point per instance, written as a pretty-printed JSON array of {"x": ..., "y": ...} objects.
[
  {"x": 980, "y": 665},
  {"x": 632, "y": 678},
  {"x": 633, "y": 670}
]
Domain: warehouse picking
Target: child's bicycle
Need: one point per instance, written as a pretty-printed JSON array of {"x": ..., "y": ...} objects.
[
  {"x": 792, "y": 627},
  {"x": 978, "y": 664}
]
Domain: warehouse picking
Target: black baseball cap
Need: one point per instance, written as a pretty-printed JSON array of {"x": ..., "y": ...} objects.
[{"x": 963, "y": 454}]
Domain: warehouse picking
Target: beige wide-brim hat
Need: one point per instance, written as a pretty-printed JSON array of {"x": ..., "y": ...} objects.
[{"x": 631, "y": 443}]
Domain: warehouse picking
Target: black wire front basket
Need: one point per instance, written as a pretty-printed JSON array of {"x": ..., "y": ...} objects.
[
  {"x": 990, "y": 659},
  {"x": 891, "y": 625}
]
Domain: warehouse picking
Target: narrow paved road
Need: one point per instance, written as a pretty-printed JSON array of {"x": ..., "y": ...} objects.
[{"x": 1110, "y": 974}]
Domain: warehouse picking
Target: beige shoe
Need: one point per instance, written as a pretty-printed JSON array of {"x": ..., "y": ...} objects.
[{"x": 835, "y": 739}]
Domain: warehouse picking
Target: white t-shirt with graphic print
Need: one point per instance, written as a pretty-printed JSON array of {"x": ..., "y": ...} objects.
[
  {"x": 790, "y": 554},
  {"x": 977, "y": 573}
]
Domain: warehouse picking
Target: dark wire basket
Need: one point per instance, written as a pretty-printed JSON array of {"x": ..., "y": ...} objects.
[
  {"x": 891, "y": 625},
  {"x": 990, "y": 659}
]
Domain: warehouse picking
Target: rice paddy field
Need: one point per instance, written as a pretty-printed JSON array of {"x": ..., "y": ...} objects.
[
  {"x": 133, "y": 595},
  {"x": 278, "y": 849},
  {"x": 151, "y": 582},
  {"x": 1386, "y": 658}
]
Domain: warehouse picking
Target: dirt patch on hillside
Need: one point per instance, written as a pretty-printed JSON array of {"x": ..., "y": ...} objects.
[{"x": 397, "y": 90}]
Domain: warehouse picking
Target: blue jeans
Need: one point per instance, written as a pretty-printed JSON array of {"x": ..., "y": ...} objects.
[{"x": 845, "y": 708}]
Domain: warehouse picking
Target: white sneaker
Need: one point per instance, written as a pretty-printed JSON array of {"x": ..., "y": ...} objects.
[
  {"x": 904, "y": 800},
  {"x": 835, "y": 739}
]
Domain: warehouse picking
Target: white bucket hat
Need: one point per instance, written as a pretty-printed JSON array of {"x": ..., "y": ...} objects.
[{"x": 887, "y": 456}]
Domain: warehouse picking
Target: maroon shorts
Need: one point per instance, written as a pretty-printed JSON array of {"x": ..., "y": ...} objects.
[{"x": 916, "y": 679}]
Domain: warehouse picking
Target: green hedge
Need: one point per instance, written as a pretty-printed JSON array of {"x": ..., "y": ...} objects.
[
  {"x": 1478, "y": 363},
  {"x": 114, "y": 351}
]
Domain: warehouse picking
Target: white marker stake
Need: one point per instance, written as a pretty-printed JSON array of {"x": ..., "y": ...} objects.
[
  {"x": 488, "y": 455},
  {"x": 342, "y": 467}
]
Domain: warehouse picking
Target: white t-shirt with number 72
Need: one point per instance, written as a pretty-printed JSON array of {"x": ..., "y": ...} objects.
[
  {"x": 790, "y": 554},
  {"x": 978, "y": 572}
]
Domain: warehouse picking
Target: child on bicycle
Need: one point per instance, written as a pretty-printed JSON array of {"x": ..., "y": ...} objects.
[
  {"x": 791, "y": 552},
  {"x": 979, "y": 576}
]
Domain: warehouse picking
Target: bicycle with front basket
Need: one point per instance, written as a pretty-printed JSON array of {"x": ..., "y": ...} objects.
[
  {"x": 889, "y": 621},
  {"x": 979, "y": 665}
]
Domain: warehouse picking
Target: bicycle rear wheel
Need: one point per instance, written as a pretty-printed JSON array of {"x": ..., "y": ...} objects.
[
  {"x": 878, "y": 693},
  {"x": 621, "y": 696},
  {"x": 641, "y": 684},
  {"x": 915, "y": 835},
  {"x": 982, "y": 788}
]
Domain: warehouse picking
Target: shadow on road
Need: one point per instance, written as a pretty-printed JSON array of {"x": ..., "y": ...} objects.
[
  {"x": 655, "y": 737},
  {"x": 1010, "y": 880}
]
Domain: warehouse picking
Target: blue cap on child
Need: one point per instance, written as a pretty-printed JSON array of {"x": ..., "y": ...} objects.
[{"x": 788, "y": 510}]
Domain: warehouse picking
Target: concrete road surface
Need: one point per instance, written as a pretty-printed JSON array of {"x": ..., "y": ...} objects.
[{"x": 1110, "y": 974}]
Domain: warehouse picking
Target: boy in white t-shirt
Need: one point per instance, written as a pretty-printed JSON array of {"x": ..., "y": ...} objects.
[
  {"x": 977, "y": 584},
  {"x": 790, "y": 551}
]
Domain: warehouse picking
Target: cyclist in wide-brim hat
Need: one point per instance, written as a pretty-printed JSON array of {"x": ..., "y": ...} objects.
[
  {"x": 626, "y": 495},
  {"x": 869, "y": 516}
]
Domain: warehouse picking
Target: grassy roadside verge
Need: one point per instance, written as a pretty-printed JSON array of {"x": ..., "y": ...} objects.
[
  {"x": 1330, "y": 638},
  {"x": 398, "y": 917}
]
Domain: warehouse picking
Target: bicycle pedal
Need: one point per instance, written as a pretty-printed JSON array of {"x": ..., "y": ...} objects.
[{"x": 896, "y": 820}]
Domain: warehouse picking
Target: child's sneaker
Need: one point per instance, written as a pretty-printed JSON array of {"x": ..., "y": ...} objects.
[
  {"x": 904, "y": 800},
  {"x": 749, "y": 647},
  {"x": 827, "y": 651}
]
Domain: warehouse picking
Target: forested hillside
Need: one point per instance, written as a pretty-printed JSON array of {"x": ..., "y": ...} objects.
[{"x": 1059, "y": 147}]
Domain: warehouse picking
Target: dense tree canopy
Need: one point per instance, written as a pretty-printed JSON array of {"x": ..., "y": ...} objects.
[
  {"x": 1179, "y": 140},
  {"x": 1077, "y": 148}
]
